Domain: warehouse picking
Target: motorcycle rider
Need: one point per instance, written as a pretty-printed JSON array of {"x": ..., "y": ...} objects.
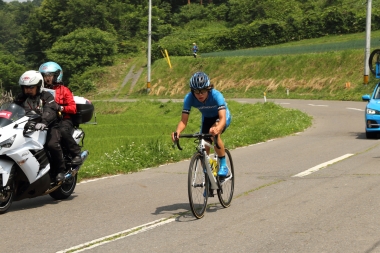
[
  {"x": 53, "y": 75},
  {"x": 34, "y": 98}
]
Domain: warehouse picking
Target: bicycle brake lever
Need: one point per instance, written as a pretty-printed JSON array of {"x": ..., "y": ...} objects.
[{"x": 177, "y": 140}]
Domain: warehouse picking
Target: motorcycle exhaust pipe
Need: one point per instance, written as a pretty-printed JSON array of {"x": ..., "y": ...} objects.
[{"x": 74, "y": 171}]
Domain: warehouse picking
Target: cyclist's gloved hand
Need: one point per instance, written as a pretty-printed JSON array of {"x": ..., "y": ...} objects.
[{"x": 40, "y": 126}]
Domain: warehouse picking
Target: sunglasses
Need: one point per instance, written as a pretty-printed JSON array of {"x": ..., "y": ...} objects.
[
  {"x": 30, "y": 87},
  {"x": 200, "y": 91}
]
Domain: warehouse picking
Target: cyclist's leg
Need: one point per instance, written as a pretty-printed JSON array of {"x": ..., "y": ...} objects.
[{"x": 223, "y": 168}]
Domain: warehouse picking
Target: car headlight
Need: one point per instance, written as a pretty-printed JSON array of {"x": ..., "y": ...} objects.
[
  {"x": 8, "y": 142},
  {"x": 371, "y": 111}
]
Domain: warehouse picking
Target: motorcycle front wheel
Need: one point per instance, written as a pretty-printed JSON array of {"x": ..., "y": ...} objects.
[
  {"x": 66, "y": 189},
  {"x": 6, "y": 198}
]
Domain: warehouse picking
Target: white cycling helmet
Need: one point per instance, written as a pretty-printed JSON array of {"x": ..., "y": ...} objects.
[{"x": 31, "y": 78}]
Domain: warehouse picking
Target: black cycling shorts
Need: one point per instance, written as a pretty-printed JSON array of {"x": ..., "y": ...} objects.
[{"x": 207, "y": 124}]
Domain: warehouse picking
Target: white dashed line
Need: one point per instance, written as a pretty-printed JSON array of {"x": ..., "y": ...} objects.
[
  {"x": 318, "y": 105},
  {"x": 355, "y": 109},
  {"x": 322, "y": 165}
]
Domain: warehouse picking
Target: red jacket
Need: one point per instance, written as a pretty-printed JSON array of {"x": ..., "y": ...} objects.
[{"x": 65, "y": 98}]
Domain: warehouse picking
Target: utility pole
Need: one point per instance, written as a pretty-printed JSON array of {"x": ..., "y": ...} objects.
[
  {"x": 149, "y": 45},
  {"x": 368, "y": 42}
]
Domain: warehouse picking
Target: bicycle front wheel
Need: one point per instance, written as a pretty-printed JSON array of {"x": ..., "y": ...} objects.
[
  {"x": 226, "y": 191},
  {"x": 197, "y": 182},
  {"x": 374, "y": 57}
]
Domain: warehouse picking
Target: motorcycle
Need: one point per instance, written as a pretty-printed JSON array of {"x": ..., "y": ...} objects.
[{"x": 24, "y": 163}]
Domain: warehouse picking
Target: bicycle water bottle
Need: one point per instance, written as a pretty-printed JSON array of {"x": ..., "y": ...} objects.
[{"x": 214, "y": 166}]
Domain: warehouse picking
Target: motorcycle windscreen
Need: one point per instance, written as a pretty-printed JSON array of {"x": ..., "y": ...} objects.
[{"x": 9, "y": 113}]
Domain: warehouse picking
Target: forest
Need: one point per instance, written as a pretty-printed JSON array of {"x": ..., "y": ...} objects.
[{"x": 85, "y": 34}]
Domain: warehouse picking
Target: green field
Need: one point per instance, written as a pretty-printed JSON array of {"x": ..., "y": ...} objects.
[{"x": 132, "y": 136}]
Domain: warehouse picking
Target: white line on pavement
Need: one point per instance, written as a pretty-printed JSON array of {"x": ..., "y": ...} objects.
[
  {"x": 117, "y": 236},
  {"x": 322, "y": 165},
  {"x": 318, "y": 105},
  {"x": 355, "y": 109},
  {"x": 96, "y": 179}
]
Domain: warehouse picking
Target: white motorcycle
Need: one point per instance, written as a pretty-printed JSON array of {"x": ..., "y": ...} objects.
[{"x": 24, "y": 163}]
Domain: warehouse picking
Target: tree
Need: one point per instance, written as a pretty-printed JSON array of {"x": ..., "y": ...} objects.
[
  {"x": 83, "y": 48},
  {"x": 10, "y": 72}
]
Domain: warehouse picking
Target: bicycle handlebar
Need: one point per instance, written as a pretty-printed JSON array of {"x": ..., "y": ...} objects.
[{"x": 196, "y": 135}]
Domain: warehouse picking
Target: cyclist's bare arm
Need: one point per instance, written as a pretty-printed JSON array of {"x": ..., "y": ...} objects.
[{"x": 181, "y": 125}]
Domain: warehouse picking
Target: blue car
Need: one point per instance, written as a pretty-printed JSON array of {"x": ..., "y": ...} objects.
[{"x": 372, "y": 113}]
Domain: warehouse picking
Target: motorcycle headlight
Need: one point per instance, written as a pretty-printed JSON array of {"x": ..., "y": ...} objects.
[{"x": 8, "y": 142}]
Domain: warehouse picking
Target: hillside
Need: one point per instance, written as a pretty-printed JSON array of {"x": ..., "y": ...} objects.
[{"x": 309, "y": 69}]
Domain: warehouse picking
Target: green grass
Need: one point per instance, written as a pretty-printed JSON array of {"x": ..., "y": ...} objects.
[
  {"x": 136, "y": 135},
  {"x": 310, "y": 69}
]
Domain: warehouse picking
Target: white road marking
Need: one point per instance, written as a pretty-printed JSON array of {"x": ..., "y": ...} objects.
[
  {"x": 355, "y": 109},
  {"x": 322, "y": 165},
  {"x": 318, "y": 105},
  {"x": 96, "y": 179},
  {"x": 110, "y": 238}
]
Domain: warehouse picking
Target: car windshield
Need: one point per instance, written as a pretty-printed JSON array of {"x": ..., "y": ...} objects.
[
  {"x": 10, "y": 112},
  {"x": 377, "y": 93}
]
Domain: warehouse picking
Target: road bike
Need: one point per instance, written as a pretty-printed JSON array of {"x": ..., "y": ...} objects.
[
  {"x": 202, "y": 176},
  {"x": 374, "y": 62}
]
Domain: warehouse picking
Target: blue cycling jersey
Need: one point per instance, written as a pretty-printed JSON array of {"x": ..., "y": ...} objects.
[{"x": 210, "y": 108}]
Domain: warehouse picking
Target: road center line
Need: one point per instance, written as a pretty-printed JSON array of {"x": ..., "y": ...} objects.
[
  {"x": 318, "y": 105},
  {"x": 117, "y": 236},
  {"x": 321, "y": 166},
  {"x": 355, "y": 109}
]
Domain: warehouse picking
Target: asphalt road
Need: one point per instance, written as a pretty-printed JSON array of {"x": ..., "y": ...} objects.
[{"x": 333, "y": 207}]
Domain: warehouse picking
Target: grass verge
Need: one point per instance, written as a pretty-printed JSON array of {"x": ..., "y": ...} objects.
[{"x": 132, "y": 136}]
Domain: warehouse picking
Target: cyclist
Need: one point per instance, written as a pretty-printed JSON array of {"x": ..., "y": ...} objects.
[
  {"x": 53, "y": 74},
  {"x": 215, "y": 114}
]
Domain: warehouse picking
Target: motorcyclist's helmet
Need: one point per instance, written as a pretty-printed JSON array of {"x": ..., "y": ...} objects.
[
  {"x": 31, "y": 78},
  {"x": 52, "y": 68},
  {"x": 199, "y": 81}
]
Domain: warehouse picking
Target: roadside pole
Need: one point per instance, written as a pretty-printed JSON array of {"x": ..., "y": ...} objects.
[
  {"x": 149, "y": 45},
  {"x": 368, "y": 42}
]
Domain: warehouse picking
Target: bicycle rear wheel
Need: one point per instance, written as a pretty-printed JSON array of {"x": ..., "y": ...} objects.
[
  {"x": 197, "y": 182},
  {"x": 373, "y": 59},
  {"x": 226, "y": 191}
]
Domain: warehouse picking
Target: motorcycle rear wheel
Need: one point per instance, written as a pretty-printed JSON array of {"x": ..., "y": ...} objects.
[{"x": 66, "y": 189}]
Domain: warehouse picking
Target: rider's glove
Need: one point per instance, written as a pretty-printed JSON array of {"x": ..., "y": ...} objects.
[{"x": 40, "y": 126}]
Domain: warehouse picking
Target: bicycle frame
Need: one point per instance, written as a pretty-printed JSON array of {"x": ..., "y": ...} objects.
[{"x": 201, "y": 149}]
